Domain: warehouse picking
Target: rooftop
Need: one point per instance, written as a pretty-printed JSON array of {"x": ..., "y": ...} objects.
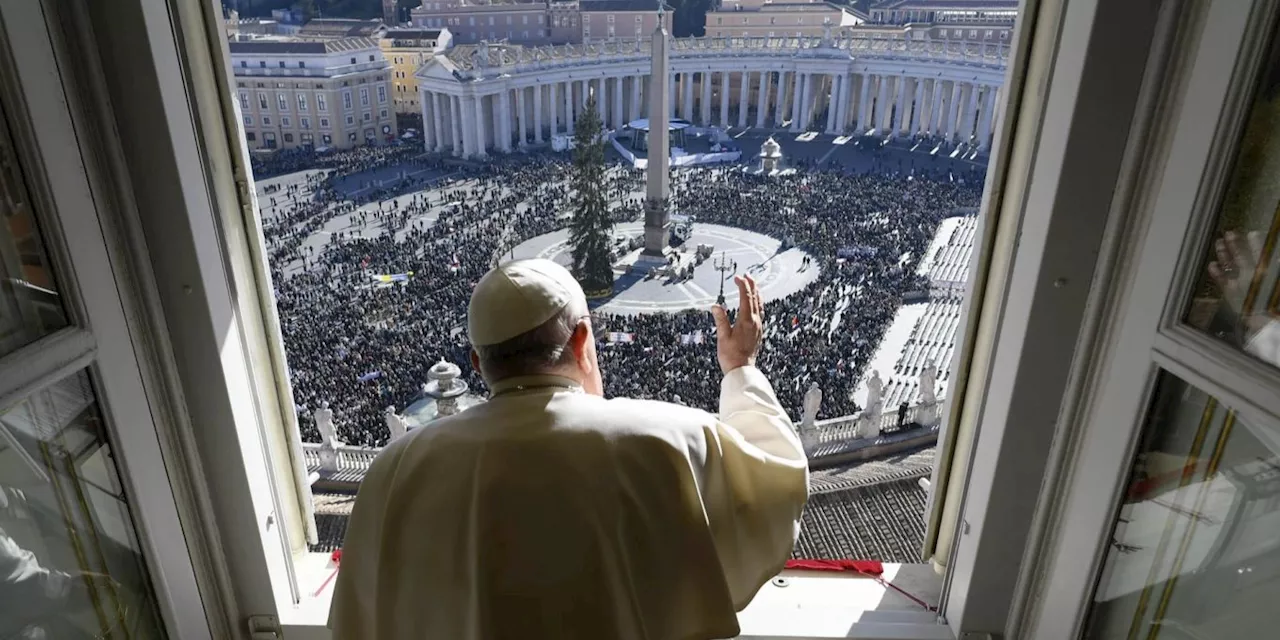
[
  {"x": 620, "y": 5},
  {"x": 945, "y": 5},
  {"x": 340, "y": 27},
  {"x": 296, "y": 46},
  {"x": 412, "y": 34}
]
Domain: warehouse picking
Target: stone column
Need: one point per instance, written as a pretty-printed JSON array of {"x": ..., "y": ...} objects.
[
  {"x": 902, "y": 119},
  {"x": 455, "y": 124},
  {"x": 671, "y": 96},
  {"x": 936, "y": 91},
  {"x": 522, "y": 120},
  {"x": 953, "y": 112},
  {"x": 617, "y": 103},
  {"x": 833, "y": 104},
  {"x": 553, "y": 109},
  {"x": 428, "y": 125},
  {"x": 635, "y": 98},
  {"x": 704, "y": 104},
  {"x": 744, "y": 90},
  {"x": 883, "y": 110},
  {"x": 468, "y": 112},
  {"x": 481, "y": 127},
  {"x": 896, "y": 99},
  {"x": 987, "y": 119},
  {"x": 970, "y": 113},
  {"x": 762, "y": 98},
  {"x": 438, "y": 118},
  {"x": 864, "y": 104},
  {"x": 686, "y": 110},
  {"x": 568, "y": 108},
  {"x": 780, "y": 100},
  {"x": 795, "y": 100},
  {"x": 917, "y": 100},
  {"x": 537, "y": 112},
  {"x": 602, "y": 104},
  {"x": 724, "y": 99}
]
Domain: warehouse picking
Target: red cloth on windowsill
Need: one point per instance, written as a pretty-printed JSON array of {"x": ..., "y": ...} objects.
[{"x": 865, "y": 567}]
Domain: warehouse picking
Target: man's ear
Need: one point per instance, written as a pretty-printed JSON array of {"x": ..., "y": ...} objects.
[
  {"x": 579, "y": 342},
  {"x": 475, "y": 362}
]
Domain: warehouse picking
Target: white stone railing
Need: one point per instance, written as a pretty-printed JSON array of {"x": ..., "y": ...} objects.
[
  {"x": 349, "y": 458},
  {"x": 473, "y": 62},
  {"x": 849, "y": 427},
  {"x": 831, "y": 431}
]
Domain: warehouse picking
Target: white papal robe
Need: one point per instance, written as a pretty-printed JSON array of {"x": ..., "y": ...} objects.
[{"x": 550, "y": 513}]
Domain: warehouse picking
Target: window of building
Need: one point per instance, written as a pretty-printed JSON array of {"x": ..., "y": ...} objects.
[
  {"x": 324, "y": 123},
  {"x": 382, "y": 94},
  {"x": 382, "y": 113},
  {"x": 525, "y": 34},
  {"x": 321, "y": 104},
  {"x": 524, "y": 19},
  {"x": 744, "y": 20},
  {"x": 609, "y": 18},
  {"x": 262, "y": 64},
  {"x": 346, "y": 100},
  {"x": 282, "y": 64},
  {"x": 509, "y": 20},
  {"x": 364, "y": 96},
  {"x": 351, "y": 120},
  {"x": 1004, "y": 35},
  {"x": 269, "y": 140},
  {"x": 244, "y": 101},
  {"x": 353, "y": 61},
  {"x": 990, "y": 34},
  {"x": 285, "y": 122},
  {"x": 302, "y": 64},
  {"x": 288, "y": 137},
  {"x": 248, "y": 121},
  {"x": 540, "y": 19},
  {"x": 262, "y": 101},
  {"x": 367, "y": 116},
  {"x": 302, "y": 102},
  {"x": 326, "y": 138},
  {"x": 282, "y": 101},
  {"x": 371, "y": 58},
  {"x": 250, "y": 136},
  {"x": 304, "y": 123},
  {"x": 244, "y": 64},
  {"x": 471, "y": 21}
]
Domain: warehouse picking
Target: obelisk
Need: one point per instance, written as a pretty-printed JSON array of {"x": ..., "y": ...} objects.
[{"x": 657, "y": 219}]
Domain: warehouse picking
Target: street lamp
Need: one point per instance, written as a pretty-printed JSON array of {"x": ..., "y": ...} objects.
[{"x": 724, "y": 265}]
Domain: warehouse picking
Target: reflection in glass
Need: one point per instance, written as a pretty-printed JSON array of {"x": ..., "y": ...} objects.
[
  {"x": 1237, "y": 297},
  {"x": 29, "y": 302},
  {"x": 70, "y": 564},
  {"x": 1196, "y": 547}
]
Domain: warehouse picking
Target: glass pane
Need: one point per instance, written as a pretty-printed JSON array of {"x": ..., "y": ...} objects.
[
  {"x": 1196, "y": 547},
  {"x": 70, "y": 563},
  {"x": 1237, "y": 296},
  {"x": 29, "y": 303}
]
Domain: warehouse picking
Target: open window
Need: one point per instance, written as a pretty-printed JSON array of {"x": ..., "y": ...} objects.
[{"x": 980, "y": 224}]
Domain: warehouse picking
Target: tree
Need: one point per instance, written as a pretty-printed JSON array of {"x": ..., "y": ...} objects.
[{"x": 591, "y": 231}]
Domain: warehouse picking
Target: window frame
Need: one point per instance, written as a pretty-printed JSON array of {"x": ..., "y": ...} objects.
[
  {"x": 1177, "y": 190},
  {"x": 212, "y": 172}
]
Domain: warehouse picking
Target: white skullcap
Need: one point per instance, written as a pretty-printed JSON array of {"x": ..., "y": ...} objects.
[{"x": 520, "y": 296}]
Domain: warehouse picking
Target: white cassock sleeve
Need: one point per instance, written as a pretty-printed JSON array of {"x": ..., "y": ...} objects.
[{"x": 754, "y": 484}]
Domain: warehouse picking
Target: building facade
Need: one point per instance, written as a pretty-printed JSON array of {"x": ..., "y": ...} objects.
[
  {"x": 798, "y": 18},
  {"x": 324, "y": 93},
  {"x": 982, "y": 20},
  {"x": 406, "y": 50},
  {"x": 501, "y": 97},
  {"x": 604, "y": 20},
  {"x": 471, "y": 21}
]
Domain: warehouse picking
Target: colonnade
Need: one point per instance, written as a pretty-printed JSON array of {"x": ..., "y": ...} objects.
[{"x": 469, "y": 119}]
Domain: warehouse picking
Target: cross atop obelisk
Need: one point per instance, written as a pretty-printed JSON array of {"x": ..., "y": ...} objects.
[{"x": 657, "y": 219}]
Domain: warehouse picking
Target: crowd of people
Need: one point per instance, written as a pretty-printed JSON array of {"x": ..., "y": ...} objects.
[{"x": 382, "y": 296}]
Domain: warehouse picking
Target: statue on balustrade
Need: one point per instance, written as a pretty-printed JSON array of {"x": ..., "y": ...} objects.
[
  {"x": 812, "y": 403},
  {"x": 869, "y": 421},
  {"x": 395, "y": 423},
  {"x": 928, "y": 414},
  {"x": 324, "y": 423}
]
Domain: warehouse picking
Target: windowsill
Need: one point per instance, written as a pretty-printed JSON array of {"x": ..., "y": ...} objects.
[{"x": 811, "y": 605}]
